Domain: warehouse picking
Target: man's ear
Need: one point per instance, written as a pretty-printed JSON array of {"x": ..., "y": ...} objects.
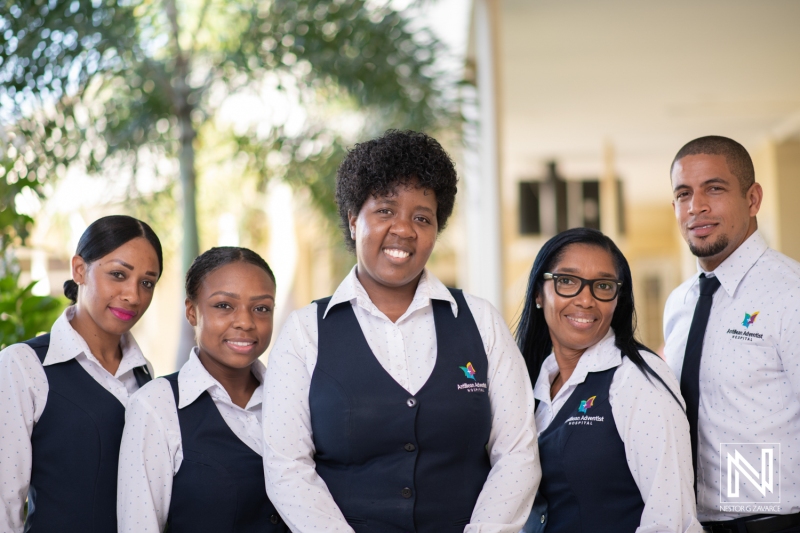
[
  {"x": 754, "y": 197},
  {"x": 78, "y": 269},
  {"x": 191, "y": 313}
]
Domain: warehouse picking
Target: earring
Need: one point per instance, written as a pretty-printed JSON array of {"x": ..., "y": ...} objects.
[{"x": 538, "y": 305}]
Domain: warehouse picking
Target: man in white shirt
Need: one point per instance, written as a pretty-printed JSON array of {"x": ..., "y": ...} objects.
[{"x": 736, "y": 351}]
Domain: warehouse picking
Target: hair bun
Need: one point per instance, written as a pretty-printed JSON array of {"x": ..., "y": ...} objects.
[{"x": 71, "y": 290}]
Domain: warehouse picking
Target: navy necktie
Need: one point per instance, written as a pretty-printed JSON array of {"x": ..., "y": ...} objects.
[{"x": 690, "y": 375}]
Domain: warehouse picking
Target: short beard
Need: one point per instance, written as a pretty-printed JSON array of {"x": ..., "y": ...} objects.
[{"x": 709, "y": 249}]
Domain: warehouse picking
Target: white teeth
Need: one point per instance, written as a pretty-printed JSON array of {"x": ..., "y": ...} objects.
[
  {"x": 242, "y": 344},
  {"x": 394, "y": 252},
  {"x": 581, "y": 320}
]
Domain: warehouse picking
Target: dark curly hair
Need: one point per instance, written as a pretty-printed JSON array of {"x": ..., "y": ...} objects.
[{"x": 376, "y": 167}]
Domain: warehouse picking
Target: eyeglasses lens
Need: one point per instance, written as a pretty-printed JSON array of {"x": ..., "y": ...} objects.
[{"x": 602, "y": 289}]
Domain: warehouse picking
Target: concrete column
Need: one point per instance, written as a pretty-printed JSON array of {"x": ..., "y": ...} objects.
[
  {"x": 609, "y": 199},
  {"x": 482, "y": 173}
]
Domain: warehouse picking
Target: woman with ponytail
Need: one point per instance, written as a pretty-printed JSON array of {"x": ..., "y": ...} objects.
[
  {"x": 613, "y": 435},
  {"x": 64, "y": 394}
]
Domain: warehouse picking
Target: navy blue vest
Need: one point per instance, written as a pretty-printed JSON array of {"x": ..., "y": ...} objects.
[
  {"x": 220, "y": 485},
  {"x": 394, "y": 462},
  {"x": 586, "y": 485},
  {"x": 75, "y": 451}
]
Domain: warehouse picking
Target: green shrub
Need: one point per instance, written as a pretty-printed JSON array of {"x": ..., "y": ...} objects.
[{"x": 22, "y": 314}]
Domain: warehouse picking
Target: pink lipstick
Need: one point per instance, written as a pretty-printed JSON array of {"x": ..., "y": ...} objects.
[{"x": 123, "y": 314}]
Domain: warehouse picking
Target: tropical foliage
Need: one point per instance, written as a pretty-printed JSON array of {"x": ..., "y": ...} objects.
[
  {"x": 22, "y": 315},
  {"x": 117, "y": 87}
]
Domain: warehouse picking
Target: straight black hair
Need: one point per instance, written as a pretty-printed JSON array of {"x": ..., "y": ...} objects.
[
  {"x": 533, "y": 334},
  {"x": 105, "y": 235},
  {"x": 210, "y": 260}
]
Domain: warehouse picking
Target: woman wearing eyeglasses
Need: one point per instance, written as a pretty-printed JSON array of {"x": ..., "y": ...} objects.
[{"x": 613, "y": 435}]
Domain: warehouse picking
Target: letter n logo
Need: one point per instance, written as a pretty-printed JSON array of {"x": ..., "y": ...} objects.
[{"x": 751, "y": 473}]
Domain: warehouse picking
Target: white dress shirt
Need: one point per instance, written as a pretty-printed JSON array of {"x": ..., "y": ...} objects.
[
  {"x": 407, "y": 351},
  {"x": 152, "y": 450},
  {"x": 749, "y": 376},
  {"x": 651, "y": 424},
  {"x": 23, "y": 396}
]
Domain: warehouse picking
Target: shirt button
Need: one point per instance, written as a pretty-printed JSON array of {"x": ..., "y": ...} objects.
[
  {"x": 274, "y": 519},
  {"x": 410, "y": 447},
  {"x": 406, "y": 492},
  {"x": 411, "y": 402},
  {"x": 542, "y": 519}
]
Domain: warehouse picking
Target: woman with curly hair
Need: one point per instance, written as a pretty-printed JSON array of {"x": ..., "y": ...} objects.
[{"x": 398, "y": 404}]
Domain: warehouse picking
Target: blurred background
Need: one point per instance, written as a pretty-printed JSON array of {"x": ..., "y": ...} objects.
[{"x": 222, "y": 122}]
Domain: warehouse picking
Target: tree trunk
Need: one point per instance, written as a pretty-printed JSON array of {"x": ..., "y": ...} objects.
[
  {"x": 183, "y": 111},
  {"x": 191, "y": 241}
]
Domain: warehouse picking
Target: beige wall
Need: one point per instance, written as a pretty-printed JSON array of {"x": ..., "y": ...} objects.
[{"x": 777, "y": 165}]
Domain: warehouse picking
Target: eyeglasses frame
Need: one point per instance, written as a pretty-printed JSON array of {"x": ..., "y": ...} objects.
[{"x": 584, "y": 282}]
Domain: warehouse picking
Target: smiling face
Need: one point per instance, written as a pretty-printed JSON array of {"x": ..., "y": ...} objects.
[
  {"x": 232, "y": 316},
  {"x": 116, "y": 289},
  {"x": 715, "y": 218},
  {"x": 579, "y": 322},
  {"x": 394, "y": 236}
]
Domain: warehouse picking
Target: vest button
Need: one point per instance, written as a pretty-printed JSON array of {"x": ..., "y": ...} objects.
[
  {"x": 406, "y": 492},
  {"x": 542, "y": 519},
  {"x": 410, "y": 447},
  {"x": 411, "y": 402},
  {"x": 274, "y": 519}
]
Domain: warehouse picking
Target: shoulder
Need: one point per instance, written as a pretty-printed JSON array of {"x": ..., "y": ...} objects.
[
  {"x": 297, "y": 341},
  {"x": 491, "y": 324},
  {"x": 678, "y": 295},
  {"x": 631, "y": 381},
  {"x": 307, "y": 313},
  {"x": 20, "y": 358},
  {"x": 483, "y": 311},
  {"x": 154, "y": 397},
  {"x": 301, "y": 324},
  {"x": 774, "y": 264}
]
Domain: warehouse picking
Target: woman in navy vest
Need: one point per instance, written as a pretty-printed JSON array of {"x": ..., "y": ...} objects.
[
  {"x": 191, "y": 451},
  {"x": 398, "y": 405},
  {"x": 63, "y": 395},
  {"x": 613, "y": 435}
]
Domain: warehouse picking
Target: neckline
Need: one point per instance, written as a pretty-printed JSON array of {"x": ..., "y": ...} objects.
[{"x": 373, "y": 360}]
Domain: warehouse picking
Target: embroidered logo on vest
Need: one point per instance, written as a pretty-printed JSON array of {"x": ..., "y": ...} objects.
[
  {"x": 469, "y": 371},
  {"x": 474, "y": 386},
  {"x": 586, "y": 404}
]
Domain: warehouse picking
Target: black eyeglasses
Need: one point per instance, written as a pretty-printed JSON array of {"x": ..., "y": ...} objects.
[{"x": 568, "y": 286}]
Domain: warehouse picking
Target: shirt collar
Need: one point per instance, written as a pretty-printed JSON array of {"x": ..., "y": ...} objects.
[
  {"x": 429, "y": 288},
  {"x": 67, "y": 344},
  {"x": 194, "y": 380},
  {"x": 601, "y": 356},
  {"x": 733, "y": 269}
]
